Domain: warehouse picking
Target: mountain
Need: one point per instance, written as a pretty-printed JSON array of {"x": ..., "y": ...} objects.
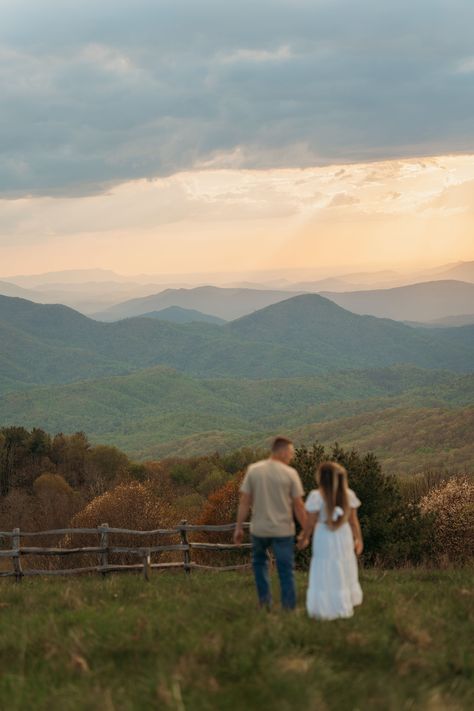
[
  {"x": 462, "y": 320},
  {"x": 462, "y": 271},
  {"x": 69, "y": 276},
  {"x": 424, "y": 302},
  {"x": 9, "y": 289},
  {"x": 151, "y": 411},
  {"x": 176, "y": 314},
  {"x": 304, "y": 335},
  {"x": 317, "y": 326},
  {"x": 225, "y": 303},
  {"x": 86, "y": 297},
  {"x": 331, "y": 283}
]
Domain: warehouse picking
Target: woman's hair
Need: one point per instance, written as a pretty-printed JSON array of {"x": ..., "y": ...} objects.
[{"x": 332, "y": 482}]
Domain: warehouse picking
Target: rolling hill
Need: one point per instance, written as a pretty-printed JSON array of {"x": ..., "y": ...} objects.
[
  {"x": 222, "y": 302},
  {"x": 160, "y": 411},
  {"x": 406, "y": 440},
  {"x": 426, "y": 301}
]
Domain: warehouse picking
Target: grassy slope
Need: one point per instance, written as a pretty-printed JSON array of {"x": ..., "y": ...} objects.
[{"x": 199, "y": 644}]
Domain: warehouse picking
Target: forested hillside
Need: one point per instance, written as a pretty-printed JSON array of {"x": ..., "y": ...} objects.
[{"x": 304, "y": 335}]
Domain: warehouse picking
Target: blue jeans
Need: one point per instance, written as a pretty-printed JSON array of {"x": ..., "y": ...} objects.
[{"x": 284, "y": 552}]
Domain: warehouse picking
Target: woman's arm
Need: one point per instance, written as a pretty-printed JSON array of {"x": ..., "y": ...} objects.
[
  {"x": 311, "y": 521},
  {"x": 356, "y": 532}
]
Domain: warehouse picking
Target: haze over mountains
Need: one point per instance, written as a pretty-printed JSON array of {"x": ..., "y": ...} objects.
[
  {"x": 427, "y": 302},
  {"x": 441, "y": 296}
]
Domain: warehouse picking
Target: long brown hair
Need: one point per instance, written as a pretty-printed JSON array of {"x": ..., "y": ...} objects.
[{"x": 331, "y": 478}]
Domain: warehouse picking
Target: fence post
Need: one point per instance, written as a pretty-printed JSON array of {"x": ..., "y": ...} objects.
[
  {"x": 104, "y": 543},
  {"x": 187, "y": 551},
  {"x": 16, "y": 543},
  {"x": 146, "y": 565}
]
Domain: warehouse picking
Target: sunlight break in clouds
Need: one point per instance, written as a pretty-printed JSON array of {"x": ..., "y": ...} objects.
[{"x": 393, "y": 212}]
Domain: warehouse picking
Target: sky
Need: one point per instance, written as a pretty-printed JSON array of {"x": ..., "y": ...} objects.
[{"x": 200, "y": 135}]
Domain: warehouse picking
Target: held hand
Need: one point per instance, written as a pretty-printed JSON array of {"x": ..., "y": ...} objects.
[
  {"x": 358, "y": 546},
  {"x": 238, "y": 535},
  {"x": 302, "y": 541}
]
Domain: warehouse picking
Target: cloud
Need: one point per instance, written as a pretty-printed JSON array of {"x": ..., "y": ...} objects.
[
  {"x": 342, "y": 199},
  {"x": 96, "y": 94},
  {"x": 466, "y": 66}
]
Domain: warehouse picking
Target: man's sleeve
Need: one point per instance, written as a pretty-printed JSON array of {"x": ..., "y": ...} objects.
[
  {"x": 296, "y": 486},
  {"x": 246, "y": 486}
]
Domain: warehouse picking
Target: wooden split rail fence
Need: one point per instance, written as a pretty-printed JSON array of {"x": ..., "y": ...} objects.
[{"x": 105, "y": 549}]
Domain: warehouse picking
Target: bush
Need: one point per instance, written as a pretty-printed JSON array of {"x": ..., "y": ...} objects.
[
  {"x": 394, "y": 532},
  {"x": 221, "y": 508},
  {"x": 132, "y": 505},
  {"x": 451, "y": 507}
]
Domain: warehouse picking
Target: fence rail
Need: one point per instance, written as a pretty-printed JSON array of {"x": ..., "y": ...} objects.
[{"x": 105, "y": 549}]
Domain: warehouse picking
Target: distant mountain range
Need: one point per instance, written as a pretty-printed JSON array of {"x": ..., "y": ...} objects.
[
  {"x": 224, "y": 303},
  {"x": 176, "y": 314},
  {"x": 304, "y": 335},
  {"x": 424, "y": 302},
  {"x": 178, "y": 381},
  {"x": 106, "y": 294},
  {"x": 462, "y": 271}
]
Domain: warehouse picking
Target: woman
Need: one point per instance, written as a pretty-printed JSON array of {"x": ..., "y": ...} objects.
[{"x": 334, "y": 588}]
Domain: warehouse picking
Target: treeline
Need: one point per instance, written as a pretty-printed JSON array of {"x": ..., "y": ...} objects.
[
  {"x": 60, "y": 481},
  {"x": 25, "y": 455}
]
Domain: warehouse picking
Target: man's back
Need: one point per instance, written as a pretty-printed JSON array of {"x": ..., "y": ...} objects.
[{"x": 272, "y": 485}]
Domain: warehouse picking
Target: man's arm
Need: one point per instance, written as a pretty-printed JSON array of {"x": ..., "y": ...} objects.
[
  {"x": 244, "y": 507},
  {"x": 299, "y": 510},
  {"x": 311, "y": 521}
]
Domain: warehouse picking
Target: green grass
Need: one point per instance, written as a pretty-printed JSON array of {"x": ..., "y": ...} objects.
[{"x": 199, "y": 643}]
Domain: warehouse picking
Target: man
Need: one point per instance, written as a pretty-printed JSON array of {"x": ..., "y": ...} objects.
[{"x": 274, "y": 491}]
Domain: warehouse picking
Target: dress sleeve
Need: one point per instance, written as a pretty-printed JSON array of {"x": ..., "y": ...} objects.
[
  {"x": 313, "y": 502},
  {"x": 354, "y": 502}
]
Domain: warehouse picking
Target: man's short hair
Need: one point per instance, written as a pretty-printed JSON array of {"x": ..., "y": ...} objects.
[{"x": 280, "y": 443}]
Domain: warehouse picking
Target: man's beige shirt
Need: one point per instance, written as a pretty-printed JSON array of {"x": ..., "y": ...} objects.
[{"x": 272, "y": 486}]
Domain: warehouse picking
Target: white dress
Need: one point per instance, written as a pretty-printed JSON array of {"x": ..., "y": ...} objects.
[{"x": 333, "y": 588}]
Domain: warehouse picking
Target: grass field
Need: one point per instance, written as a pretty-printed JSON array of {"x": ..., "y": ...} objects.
[{"x": 199, "y": 643}]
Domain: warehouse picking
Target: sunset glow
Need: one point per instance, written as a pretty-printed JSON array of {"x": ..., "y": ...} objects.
[{"x": 406, "y": 212}]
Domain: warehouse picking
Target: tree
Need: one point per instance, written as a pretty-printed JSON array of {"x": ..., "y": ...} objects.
[
  {"x": 12, "y": 453},
  {"x": 103, "y": 465},
  {"x": 394, "y": 531}
]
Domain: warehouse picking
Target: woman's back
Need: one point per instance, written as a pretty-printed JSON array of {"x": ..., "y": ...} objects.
[{"x": 315, "y": 504}]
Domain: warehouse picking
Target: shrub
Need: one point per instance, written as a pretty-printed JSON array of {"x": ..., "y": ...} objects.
[
  {"x": 394, "y": 531},
  {"x": 451, "y": 506},
  {"x": 221, "y": 508},
  {"x": 132, "y": 505}
]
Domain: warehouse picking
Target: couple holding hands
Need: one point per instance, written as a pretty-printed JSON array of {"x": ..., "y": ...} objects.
[{"x": 272, "y": 490}]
